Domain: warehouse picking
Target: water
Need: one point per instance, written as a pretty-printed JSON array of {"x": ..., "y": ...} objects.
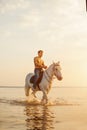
[{"x": 66, "y": 110}]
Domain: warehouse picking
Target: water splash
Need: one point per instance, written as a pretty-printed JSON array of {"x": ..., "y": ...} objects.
[{"x": 35, "y": 101}]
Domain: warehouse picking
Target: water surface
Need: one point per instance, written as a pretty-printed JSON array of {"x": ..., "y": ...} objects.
[{"x": 67, "y": 110}]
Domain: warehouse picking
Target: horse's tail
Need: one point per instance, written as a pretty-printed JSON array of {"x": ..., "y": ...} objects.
[{"x": 27, "y": 87}]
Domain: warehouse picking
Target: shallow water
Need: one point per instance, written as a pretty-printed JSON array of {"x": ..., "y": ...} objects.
[{"x": 65, "y": 111}]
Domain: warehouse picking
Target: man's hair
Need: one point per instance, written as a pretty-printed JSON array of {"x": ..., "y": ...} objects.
[{"x": 40, "y": 51}]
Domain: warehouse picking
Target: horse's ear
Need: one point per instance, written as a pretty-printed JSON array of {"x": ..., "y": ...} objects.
[
  {"x": 53, "y": 62},
  {"x": 58, "y": 62}
]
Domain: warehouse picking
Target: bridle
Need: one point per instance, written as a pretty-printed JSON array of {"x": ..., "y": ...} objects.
[{"x": 47, "y": 76}]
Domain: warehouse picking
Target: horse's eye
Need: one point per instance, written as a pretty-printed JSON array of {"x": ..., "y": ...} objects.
[{"x": 56, "y": 69}]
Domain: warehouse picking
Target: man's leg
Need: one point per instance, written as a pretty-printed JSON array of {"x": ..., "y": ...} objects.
[{"x": 36, "y": 78}]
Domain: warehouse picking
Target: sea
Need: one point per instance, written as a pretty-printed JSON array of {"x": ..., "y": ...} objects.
[{"x": 66, "y": 109}]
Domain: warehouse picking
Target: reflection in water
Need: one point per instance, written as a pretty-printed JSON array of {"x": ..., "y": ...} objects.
[{"x": 39, "y": 118}]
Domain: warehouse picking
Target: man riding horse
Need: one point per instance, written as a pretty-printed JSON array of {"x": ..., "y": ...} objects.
[{"x": 39, "y": 66}]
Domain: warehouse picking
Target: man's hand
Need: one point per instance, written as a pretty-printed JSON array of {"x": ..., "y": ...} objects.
[{"x": 45, "y": 67}]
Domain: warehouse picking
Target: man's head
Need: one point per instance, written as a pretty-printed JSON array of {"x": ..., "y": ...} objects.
[{"x": 40, "y": 53}]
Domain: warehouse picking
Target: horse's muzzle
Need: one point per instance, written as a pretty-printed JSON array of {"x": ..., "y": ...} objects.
[{"x": 60, "y": 78}]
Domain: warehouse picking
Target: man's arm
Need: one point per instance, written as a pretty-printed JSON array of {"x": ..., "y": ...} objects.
[
  {"x": 44, "y": 66},
  {"x": 38, "y": 64}
]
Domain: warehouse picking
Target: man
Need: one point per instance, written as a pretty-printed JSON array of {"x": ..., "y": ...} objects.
[{"x": 39, "y": 66}]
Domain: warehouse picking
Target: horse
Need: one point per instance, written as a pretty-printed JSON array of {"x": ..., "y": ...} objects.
[{"x": 45, "y": 85}]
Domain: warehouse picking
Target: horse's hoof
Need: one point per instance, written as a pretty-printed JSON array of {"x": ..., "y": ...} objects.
[{"x": 35, "y": 96}]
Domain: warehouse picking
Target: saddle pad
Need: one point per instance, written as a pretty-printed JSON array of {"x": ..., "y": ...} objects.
[
  {"x": 32, "y": 79},
  {"x": 39, "y": 79}
]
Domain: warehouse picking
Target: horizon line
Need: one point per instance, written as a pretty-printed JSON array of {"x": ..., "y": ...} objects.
[{"x": 15, "y": 86}]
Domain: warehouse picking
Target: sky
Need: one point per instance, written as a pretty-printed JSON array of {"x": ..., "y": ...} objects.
[{"x": 58, "y": 27}]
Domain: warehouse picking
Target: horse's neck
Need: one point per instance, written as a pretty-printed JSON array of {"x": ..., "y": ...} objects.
[{"x": 49, "y": 70}]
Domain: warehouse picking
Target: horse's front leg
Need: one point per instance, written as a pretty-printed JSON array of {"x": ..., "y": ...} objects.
[{"x": 45, "y": 98}]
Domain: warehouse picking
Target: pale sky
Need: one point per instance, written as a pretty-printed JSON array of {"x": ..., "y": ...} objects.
[{"x": 59, "y": 27}]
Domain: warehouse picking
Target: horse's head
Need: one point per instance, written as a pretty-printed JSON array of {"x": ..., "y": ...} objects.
[{"x": 57, "y": 70}]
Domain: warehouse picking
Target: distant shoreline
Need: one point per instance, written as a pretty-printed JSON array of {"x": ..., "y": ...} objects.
[
  {"x": 11, "y": 86},
  {"x": 52, "y": 87}
]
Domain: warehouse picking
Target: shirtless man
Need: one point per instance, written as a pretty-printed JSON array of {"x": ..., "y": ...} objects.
[{"x": 39, "y": 66}]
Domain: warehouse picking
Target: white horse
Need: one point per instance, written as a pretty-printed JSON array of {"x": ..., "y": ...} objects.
[{"x": 46, "y": 82}]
